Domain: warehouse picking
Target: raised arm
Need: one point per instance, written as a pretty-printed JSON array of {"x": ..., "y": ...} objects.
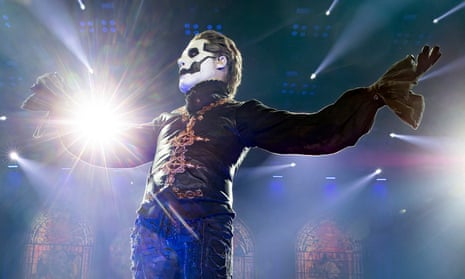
[{"x": 134, "y": 144}]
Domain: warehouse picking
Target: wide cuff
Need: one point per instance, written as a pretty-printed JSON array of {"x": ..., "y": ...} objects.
[{"x": 409, "y": 108}]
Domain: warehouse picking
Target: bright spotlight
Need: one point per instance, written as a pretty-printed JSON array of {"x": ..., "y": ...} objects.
[
  {"x": 14, "y": 155},
  {"x": 392, "y": 135},
  {"x": 81, "y": 5},
  {"x": 3, "y": 118},
  {"x": 97, "y": 121},
  {"x": 293, "y": 164},
  {"x": 313, "y": 76},
  {"x": 378, "y": 171},
  {"x": 451, "y": 11},
  {"x": 333, "y": 4}
]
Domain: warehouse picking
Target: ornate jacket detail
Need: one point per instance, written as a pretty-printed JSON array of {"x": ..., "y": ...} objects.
[{"x": 197, "y": 149}]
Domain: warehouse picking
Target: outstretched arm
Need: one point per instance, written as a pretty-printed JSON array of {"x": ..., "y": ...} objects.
[
  {"x": 395, "y": 86},
  {"x": 134, "y": 146},
  {"x": 342, "y": 123}
]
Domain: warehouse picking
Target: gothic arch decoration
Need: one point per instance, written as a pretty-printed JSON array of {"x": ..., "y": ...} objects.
[
  {"x": 243, "y": 247},
  {"x": 120, "y": 254},
  {"x": 59, "y": 246},
  {"x": 326, "y": 252}
]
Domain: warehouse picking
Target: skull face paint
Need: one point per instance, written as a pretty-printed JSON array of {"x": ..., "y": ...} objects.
[{"x": 195, "y": 65}]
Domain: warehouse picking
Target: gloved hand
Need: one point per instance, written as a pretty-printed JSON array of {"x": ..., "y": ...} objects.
[
  {"x": 394, "y": 87},
  {"x": 49, "y": 93}
]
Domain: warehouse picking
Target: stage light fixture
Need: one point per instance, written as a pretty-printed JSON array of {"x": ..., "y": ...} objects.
[
  {"x": 3, "y": 118},
  {"x": 6, "y": 21},
  {"x": 378, "y": 171},
  {"x": 294, "y": 84},
  {"x": 392, "y": 135},
  {"x": 193, "y": 29}
]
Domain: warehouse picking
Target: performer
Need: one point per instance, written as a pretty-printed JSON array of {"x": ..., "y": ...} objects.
[{"x": 184, "y": 223}]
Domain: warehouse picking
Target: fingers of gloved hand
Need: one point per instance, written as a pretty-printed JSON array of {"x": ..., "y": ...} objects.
[
  {"x": 48, "y": 83},
  {"x": 427, "y": 58},
  {"x": 48, "y": 92}
]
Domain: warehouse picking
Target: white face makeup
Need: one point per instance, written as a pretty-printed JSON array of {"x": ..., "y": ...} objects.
[{"x": 196, "y": 65}]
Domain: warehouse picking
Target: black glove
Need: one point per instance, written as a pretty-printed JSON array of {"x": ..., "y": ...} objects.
[
  {"x": 394, "y": 87},
  {"x": 426, "y": 59},
  {"x": 49, "y": 93}
]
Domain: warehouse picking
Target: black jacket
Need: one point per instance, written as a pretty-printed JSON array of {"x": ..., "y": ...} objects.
[{"x": 197, "y": 149}]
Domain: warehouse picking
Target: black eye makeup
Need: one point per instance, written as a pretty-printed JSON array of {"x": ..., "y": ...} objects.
[{"x": 193, "y": 52}]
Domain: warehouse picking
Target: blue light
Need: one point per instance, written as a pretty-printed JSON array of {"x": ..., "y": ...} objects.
[
  {"x": 108, "y": 5},
  {"x": 6, "y": 22},
  {"x": 330, "y": 189},
  {"x": 277, "y": 185},
  {"x": 302, "y": 11},
  {"x": 380, "y": 189}
]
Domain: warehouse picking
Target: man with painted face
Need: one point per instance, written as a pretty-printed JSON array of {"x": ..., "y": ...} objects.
[{"x": 184, "y": 223}]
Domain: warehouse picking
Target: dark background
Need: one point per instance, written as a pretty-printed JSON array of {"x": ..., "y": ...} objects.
[{"x": 411, "y": 222}]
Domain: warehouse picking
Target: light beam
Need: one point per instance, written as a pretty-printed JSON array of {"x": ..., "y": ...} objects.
[
  {"x": 330, "y": 10},
  {"x": 448, "y": 13},
  {"x": 451, "y": 67},
  {"x": 368, "y": 19},
  {"x": 55, "y": 16}
]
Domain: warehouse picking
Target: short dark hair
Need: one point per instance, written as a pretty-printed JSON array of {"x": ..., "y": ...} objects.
[{"x": 221, "y": 45}]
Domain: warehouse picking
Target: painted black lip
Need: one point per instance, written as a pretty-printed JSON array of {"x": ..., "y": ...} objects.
[
  {"x": 195, "y": 67},
  {"x": 184, "y": 71}
]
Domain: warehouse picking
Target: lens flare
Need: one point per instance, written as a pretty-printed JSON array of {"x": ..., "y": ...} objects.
[{"x": 97, "y": 121}]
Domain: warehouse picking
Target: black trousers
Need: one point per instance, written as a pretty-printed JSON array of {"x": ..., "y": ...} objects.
[{"x": 182, "y": 249}]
